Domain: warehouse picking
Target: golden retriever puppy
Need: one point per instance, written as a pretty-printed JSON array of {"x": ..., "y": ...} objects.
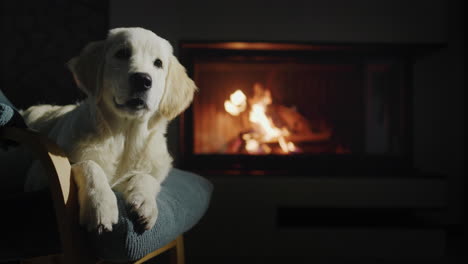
[{"x": 115, "y": 138}]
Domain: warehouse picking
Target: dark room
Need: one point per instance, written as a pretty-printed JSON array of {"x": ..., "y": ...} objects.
[{"x": 257, "y": 131}]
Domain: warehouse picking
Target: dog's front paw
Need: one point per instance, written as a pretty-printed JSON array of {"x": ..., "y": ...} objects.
[
  {"x": 144, "y": 209},
  {"x": 99, "y": 211}
]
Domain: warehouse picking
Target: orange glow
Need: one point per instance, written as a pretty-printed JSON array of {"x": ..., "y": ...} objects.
[{"x": 265, "y": 46}]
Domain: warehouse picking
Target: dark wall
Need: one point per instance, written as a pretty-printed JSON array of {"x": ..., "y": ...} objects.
[
  {"x": 294, "y": 20},
  {"x": 38, "y": 38},
  {"x": 438, "y": 111}
]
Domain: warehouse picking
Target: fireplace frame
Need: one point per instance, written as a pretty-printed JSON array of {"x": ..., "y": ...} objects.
[{"x": 304, "y": 164}]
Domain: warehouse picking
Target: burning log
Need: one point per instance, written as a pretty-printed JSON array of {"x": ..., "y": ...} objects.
[{"x": 300, "y": 129}]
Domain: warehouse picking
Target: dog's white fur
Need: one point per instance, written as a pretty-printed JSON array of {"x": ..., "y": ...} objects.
[{"x": 112, "y": 147}]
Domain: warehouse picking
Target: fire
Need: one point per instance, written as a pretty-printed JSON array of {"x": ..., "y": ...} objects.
[
  {"x": 252, "y": 145},
  {"x": 265, "y": 129},
  {"x": 236, "y": 104}
]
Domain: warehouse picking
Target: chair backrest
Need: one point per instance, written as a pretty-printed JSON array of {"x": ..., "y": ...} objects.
[{"x": 4, "y": 99}]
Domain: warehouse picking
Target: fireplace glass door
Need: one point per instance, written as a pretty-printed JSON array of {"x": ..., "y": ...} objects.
[{"x": 300, "y": 102}]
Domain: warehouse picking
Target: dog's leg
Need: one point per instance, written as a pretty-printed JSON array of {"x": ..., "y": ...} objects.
[
  {"x": 140, "y": 192},
  {"x": 98, "y": 204}
]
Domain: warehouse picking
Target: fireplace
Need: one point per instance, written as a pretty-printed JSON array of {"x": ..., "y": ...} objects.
[{"x": 275, "y": 107}]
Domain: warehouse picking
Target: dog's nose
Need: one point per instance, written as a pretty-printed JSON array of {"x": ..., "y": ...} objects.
[{"x": 140, "y": 81}]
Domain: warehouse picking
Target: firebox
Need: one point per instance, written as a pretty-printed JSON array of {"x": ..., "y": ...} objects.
[{"x": 274, "y": 107}]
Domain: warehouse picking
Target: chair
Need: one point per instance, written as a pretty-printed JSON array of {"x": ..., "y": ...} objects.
[{"x": 183, "y": 200}]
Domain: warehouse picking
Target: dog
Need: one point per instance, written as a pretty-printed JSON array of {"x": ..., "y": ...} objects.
[{"x": 115, "y": 138}]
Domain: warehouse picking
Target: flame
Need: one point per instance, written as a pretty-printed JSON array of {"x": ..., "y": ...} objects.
[
  {"x": 252, "y": 145},
  {"x": 258, "y": 116},
  {"x": 267, "y": 130},
  {"x": 236, "y": 104},
  {"x": 238, "y": 97},
  {"x": 291, "y": 146}
]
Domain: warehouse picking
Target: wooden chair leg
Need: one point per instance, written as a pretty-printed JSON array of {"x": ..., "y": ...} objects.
[
  {"x": 175, "y": 248},
  {"x": 177, "y": 253}
]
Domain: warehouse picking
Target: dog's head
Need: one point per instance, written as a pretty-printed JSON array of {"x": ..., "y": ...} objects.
[{"x": 134, "y": 73}]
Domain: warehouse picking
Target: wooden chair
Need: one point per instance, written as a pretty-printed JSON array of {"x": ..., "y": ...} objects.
[{"x": 64, "y": 196}]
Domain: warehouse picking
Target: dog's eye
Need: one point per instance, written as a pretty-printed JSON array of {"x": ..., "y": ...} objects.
[
  {"x": 123, "y": 54},
  {"x": 158, "y": 63}
]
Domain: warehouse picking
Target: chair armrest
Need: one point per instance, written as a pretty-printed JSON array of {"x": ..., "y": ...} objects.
[
  {"x": 62, "y": 188},
  {"x": 50, "y": 155}
]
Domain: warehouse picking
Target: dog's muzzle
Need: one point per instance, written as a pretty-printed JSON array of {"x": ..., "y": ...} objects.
[
  {"x": 140, "y": 82},
  {"x": 133, "y": 104}
]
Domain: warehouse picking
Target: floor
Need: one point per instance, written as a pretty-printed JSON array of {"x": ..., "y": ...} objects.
[{"x": 456, "y": 253}]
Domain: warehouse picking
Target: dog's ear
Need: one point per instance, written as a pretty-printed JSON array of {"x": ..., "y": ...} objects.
[
  {"x": 178, "y": 92},
  {"x": 87, "y": 68}
]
